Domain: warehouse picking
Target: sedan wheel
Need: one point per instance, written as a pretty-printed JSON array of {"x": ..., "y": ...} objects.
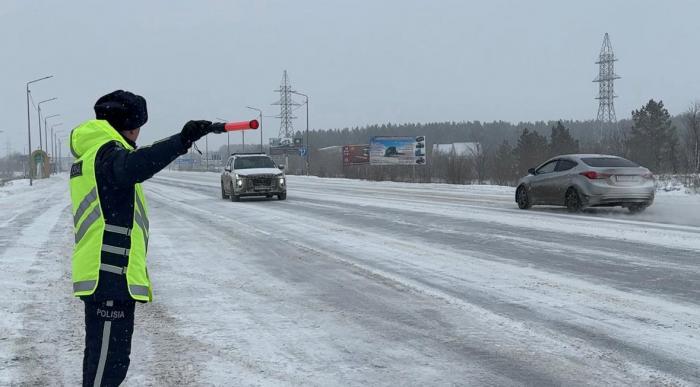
[
  {"x": 573, "y": 200},
  {"x": 523, "y": 198}
]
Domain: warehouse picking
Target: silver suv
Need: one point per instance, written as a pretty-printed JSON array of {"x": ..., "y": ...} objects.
[
  {"x": 252, "y": 174},
  {"x": 585, "y": 180}
]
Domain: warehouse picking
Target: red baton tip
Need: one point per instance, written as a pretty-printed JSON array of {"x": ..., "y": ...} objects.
[{"x": 241, "y": 125}]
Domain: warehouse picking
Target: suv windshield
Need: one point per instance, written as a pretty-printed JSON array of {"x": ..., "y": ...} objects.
[
  {"x": 608, "y": 162},
  {"x": 254, "y": 162}
]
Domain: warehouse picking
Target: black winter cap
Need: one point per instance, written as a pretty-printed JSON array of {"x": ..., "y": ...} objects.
[{"x": 122, "y": 109}]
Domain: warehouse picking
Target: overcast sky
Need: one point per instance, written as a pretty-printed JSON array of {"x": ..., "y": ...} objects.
[{"x": 361, "y": 62}]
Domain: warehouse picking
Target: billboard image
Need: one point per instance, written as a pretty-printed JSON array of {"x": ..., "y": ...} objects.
[
  {"x": 397, "y": 151},
  {"x": 355, "y": 154},
  {"x": 280, "y": 146}
]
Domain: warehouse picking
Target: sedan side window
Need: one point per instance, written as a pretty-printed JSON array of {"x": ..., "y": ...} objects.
[
  {"x": 547, "y": 168},
  {"x": 565, "y": 165}
]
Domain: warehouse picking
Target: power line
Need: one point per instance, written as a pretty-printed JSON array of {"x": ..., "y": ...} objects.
[{"x": 31, "y": 98}]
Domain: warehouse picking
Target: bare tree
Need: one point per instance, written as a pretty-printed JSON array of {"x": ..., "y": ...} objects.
[
  {"x": 691, "y": 121},
  {"x": 480, "y": 156}
]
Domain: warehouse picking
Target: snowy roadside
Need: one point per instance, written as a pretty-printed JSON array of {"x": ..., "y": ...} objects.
[
  {"x": 14, "y": 186},
  {"x": 41, "y": 326}
]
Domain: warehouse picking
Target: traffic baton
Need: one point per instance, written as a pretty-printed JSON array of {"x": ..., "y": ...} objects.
[{"x": 220, "y": 127}]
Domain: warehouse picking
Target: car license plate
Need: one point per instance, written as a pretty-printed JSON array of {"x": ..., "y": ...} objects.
[
  {"x": 625, "y": 178},
  {"x": 262, "y": 188}
]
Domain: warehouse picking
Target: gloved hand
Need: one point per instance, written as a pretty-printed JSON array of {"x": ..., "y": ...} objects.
[
  {"x": 218, "y": 127},
  {"x": 194, "y": 130}
]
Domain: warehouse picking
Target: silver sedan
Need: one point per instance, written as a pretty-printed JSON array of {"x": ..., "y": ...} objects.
[{"x": 587, "y": 180}]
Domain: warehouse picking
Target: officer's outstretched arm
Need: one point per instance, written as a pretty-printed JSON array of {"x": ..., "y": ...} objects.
[{"x": 125, "y": 167}]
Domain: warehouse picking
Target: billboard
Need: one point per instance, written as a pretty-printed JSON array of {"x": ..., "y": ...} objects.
[
  {"x": 355, "y": 154},
  {"x": 280, "y": 146},
  {"x": 397, "y": 151}
]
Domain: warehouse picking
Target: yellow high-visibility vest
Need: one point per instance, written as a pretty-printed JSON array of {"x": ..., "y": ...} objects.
[{"x": 89, "y": 222}]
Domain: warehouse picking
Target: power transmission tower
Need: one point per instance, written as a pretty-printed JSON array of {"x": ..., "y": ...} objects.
[
  {"x": 286, "y": 107},
  {"x": 606, "y": 89}
]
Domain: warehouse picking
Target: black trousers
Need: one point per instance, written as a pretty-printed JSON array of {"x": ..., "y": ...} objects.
[{"x": 108, "y": 329}]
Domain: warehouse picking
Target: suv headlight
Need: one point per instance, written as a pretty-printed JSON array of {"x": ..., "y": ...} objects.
[
  {"x": 239, "y": 181},
  {"x": 281, "y": 180}
]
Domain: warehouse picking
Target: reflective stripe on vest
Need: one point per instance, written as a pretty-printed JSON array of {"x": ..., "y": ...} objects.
[
  {"x": 143, "y": 223},
  {"x": 139, "y": 290},
  {"x": 83, "y": 286},
  {"x": 142, "y": 213},
  {"x": 113, "y": 269},
  {"x": 118, "y": 229},
  {"x": 115, "y": 250},
  {"x": 89, "y": 220},
  {"x": 84, "y": 205}
]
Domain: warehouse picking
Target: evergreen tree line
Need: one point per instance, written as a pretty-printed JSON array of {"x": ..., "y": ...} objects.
[{"x": 505, "y": 151}]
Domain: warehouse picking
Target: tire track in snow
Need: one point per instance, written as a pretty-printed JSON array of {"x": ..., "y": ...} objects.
[{"x": 662, "y": 270}]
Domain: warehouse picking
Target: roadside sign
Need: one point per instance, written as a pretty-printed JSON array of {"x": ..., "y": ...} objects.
[
  {"x": 287, "y": 145},
  {"x": 397, "y": 151},
  {"x": 355, "y": 154}
]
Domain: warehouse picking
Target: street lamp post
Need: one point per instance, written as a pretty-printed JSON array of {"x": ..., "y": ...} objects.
[
  {"x": 308, "y": 151},
  {"x": 261, "y": 127},
  {"x": 29, "y": 130},
  {"x": 60, "y": 152},
  {"x": 46, "y": 137},
  {"x": 39, "y": 113},
  {"x": 54, "y": 153}
]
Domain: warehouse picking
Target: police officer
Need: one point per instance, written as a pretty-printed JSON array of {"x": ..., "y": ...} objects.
[{"x": 110, "y": 217}]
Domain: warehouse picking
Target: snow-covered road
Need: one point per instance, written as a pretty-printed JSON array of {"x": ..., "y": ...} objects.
[{"x": 361, "y": 283}]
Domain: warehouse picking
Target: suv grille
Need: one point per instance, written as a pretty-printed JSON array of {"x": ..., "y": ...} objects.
[{"x": 260, "y": 181}]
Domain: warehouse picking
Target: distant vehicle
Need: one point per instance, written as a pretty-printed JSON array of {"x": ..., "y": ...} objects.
[
  {"x": 587, "y": 180},
  {"x": 420, "y": 145},
  {"x": 420, "y": 139},
  {"x": 392, "y": 152},
  {"x": 252, "y": 174}
]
